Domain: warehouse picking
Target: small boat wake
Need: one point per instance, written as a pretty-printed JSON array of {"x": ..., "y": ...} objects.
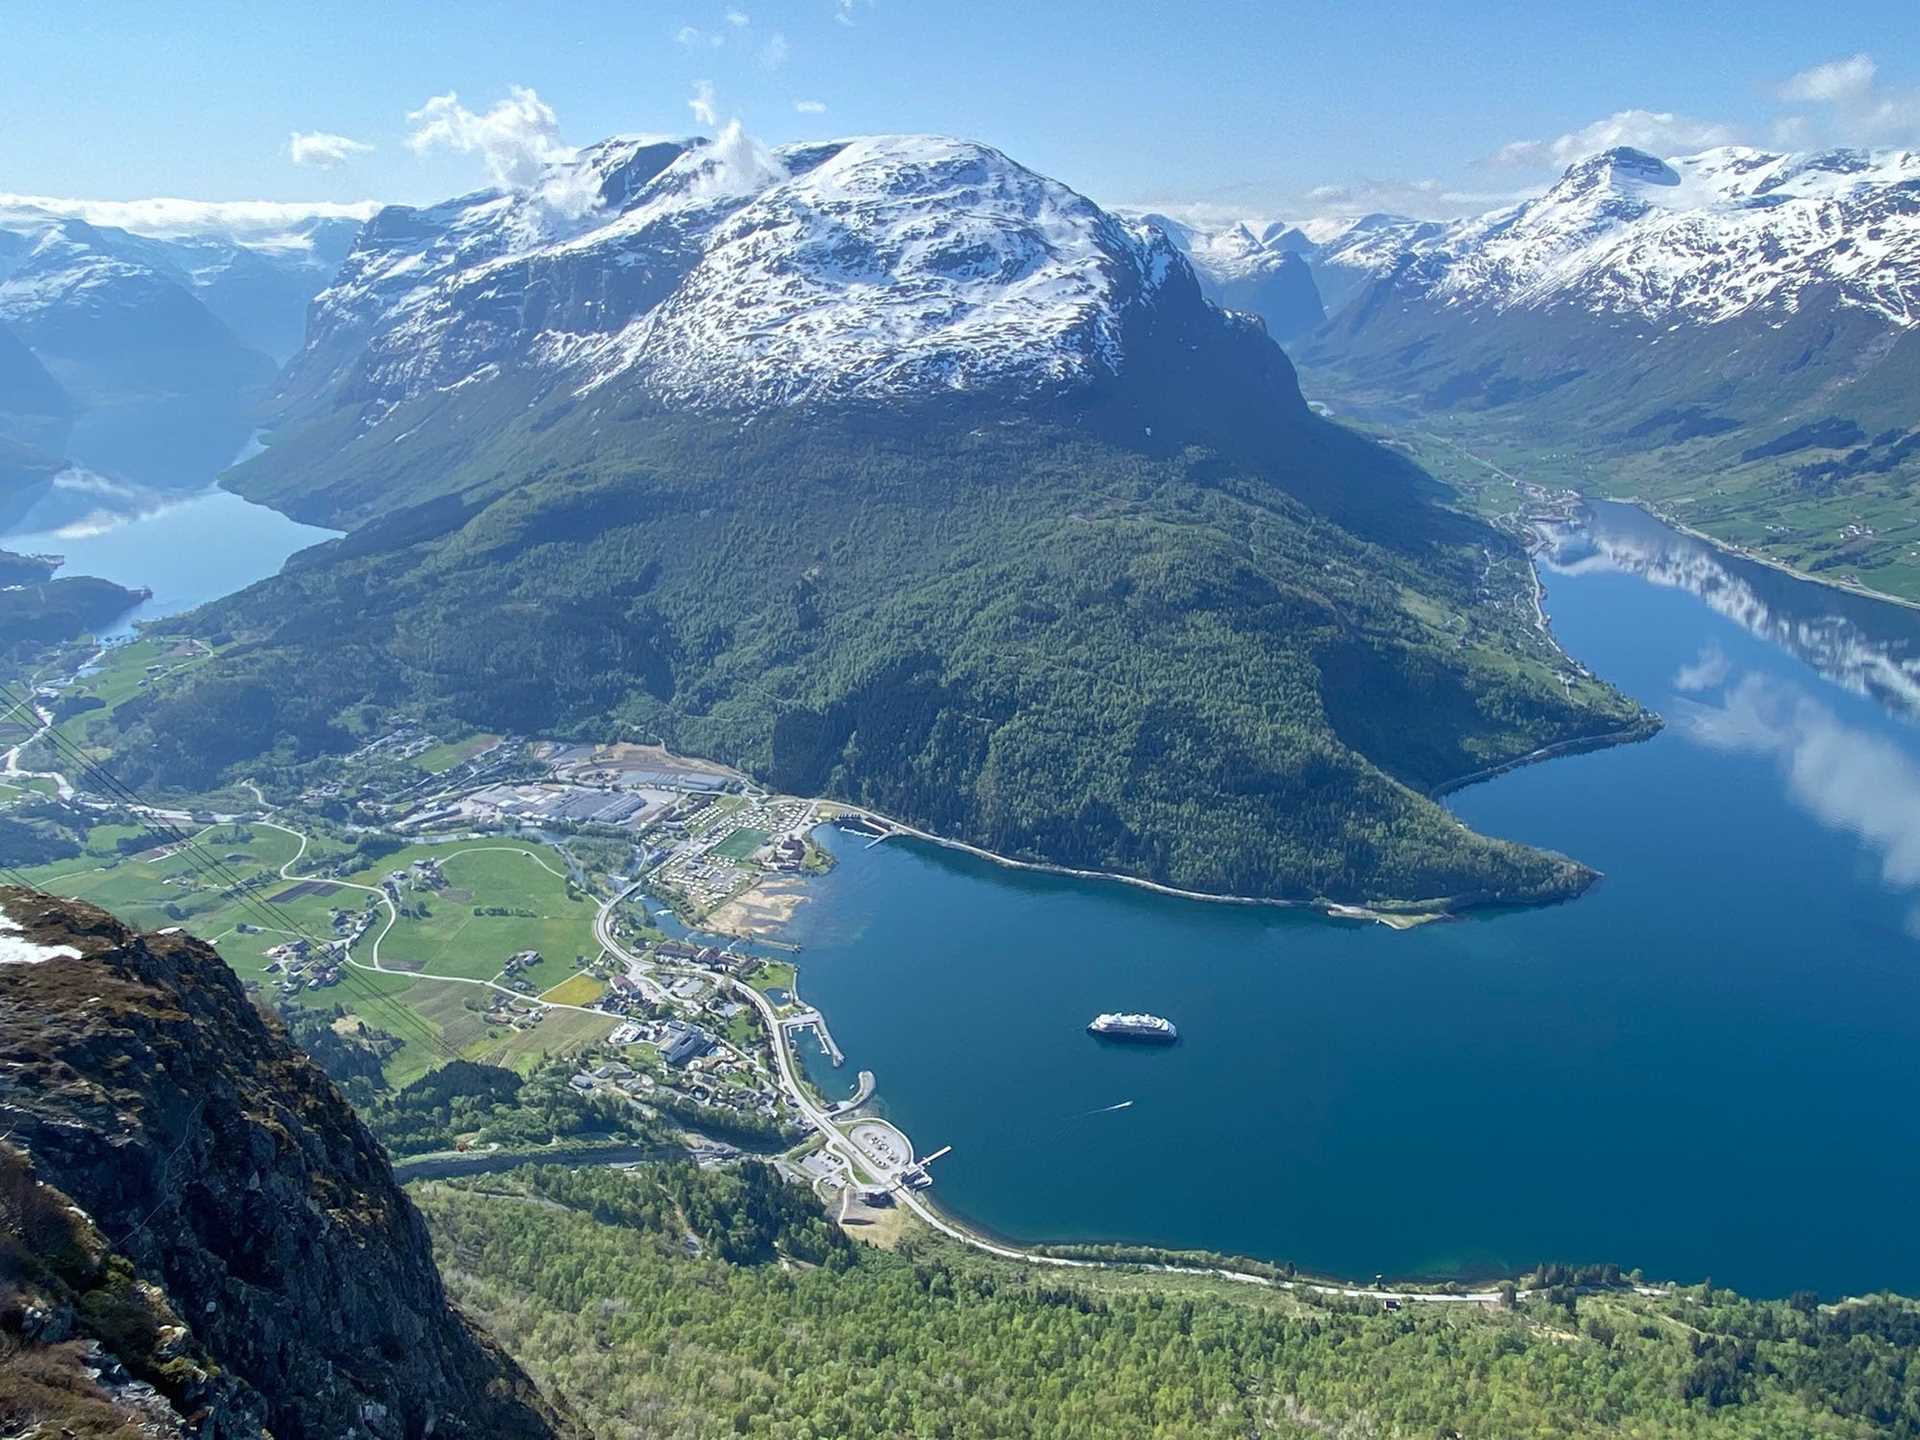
[{"x": 1106, "y": 1109}]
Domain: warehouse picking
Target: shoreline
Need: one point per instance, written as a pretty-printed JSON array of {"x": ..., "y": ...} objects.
[
  {"x": 1580, "y": 745},
  {"x": 1395, "y": 914},
  {"x": 1739, "y": 552}
]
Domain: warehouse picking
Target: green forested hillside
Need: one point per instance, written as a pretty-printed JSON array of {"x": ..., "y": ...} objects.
[
  {"x": 1227, "y": 675},
  {"x": 777, "y": 1327},
  {"x": 1791, "y": 437}
]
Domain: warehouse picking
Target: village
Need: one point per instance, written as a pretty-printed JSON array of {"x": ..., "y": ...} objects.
[{"x": 693, "y": 837}]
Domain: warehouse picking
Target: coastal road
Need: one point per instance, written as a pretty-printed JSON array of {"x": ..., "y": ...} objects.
[{"x": 859, "y": 1164}]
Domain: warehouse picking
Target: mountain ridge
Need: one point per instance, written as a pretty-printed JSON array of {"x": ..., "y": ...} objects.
[
  {"x": 239, "y": 1255},
  {"x": 1060, "y": 563}
]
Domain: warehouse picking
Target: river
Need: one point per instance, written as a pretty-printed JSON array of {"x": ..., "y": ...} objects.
[{"x": 1704, "y": 1067}]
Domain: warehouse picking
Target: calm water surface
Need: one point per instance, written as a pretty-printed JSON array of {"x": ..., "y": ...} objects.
[
  {"x": 188, "y": 548},
  {"x": 1707, "y": 1066}
]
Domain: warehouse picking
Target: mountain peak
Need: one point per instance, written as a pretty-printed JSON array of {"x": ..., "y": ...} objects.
[
  {"x": 1618, "y": 169},
  {"x": 721, "y": 274}
]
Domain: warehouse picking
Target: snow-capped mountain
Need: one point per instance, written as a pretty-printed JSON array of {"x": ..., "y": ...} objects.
[
  {"x": 720, "y": 276},
  {"x": 1264, "y": 273},
  {"x": 254, "y": 271},
  {"x": 159, "y": 345},
  {"x": 1358, "y": 253},
  {"x": 1743, "y": 304},
  {"x": 1703, "y": 238}
]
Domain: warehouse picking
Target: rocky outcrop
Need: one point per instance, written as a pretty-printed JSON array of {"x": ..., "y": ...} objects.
[{"x": 199, "y": 1234}]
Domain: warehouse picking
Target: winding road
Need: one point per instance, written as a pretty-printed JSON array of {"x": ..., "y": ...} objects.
[{"x": 393, "y": 916}]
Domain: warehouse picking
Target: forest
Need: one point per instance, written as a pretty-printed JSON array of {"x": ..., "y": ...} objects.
[
  {"x": 672, "y": 1301},
  {"x": 1232, "y": 675}
]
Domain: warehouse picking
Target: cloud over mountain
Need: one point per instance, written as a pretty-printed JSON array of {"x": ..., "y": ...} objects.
[{"x": 323, "y": 150}]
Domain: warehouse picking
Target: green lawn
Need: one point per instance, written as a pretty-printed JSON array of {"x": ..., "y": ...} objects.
[
  {"x": 740, "y": 844},
  {"x": 452, "y": 940},
  {"x": 773, "y": 975},
  {"x": 449, "y": 753}
]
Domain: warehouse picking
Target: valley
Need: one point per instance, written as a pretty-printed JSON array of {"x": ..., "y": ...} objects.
[{"x": 577, "y": 756}]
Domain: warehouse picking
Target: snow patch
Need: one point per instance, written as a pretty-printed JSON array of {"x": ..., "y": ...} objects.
[{"x": 16, "y": 949}]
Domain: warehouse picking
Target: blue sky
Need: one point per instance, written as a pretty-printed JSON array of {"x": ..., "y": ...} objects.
[{"x": 1283, "y": 108}]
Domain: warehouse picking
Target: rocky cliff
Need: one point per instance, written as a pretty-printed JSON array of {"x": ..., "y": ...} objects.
[{"x": 197, "y": 1235}]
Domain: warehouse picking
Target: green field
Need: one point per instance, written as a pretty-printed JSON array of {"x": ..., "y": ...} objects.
[
  {"x": 452, "y": 940},
  {"x": 154, "y": 892},
  {"x": 773, "y": 975},
  {"x": 449, "y": 753},
  {"x": 123, "y": 673},
  {"x": 740, "y": 844}
]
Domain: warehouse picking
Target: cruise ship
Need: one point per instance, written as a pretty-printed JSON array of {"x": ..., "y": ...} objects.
[{"x": 1150, "y": 1028}]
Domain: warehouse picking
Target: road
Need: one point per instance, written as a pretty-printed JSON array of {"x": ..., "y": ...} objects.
[
  {"x": 60, "y": 783},
  {"x": 393, "y": 916},
  {"x": 858, "y": 1164}
]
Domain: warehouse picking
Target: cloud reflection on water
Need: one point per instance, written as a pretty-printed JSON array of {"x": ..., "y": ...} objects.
[
  {"x": 1867, "y": 647},
  {"x": 1846, "y": 777}
]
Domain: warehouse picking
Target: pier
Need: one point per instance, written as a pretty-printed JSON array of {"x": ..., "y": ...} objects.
[{"x": 815, "y": 1021}]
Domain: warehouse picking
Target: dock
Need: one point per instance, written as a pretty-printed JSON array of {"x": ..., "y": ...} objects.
[{"x": 815, "y": 1021}]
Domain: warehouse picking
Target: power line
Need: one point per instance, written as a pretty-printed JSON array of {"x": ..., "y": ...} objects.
[{"x": 227, "y": 880}]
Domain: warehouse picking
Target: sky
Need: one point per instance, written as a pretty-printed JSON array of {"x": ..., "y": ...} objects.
[{"x": 1228, "y": 109}]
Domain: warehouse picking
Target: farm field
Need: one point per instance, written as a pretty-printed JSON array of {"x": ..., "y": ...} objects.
[
  {"x": 160, "y": 886},
  {"x": 450, "y": 939}
]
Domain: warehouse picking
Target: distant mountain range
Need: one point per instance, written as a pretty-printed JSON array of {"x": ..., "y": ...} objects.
[
  {"x": 1733, "y": 335},
  {"x": 891, "y": 470},
  {"x": 1263, "y": 272},
  {"x": 144, "y": 355}
]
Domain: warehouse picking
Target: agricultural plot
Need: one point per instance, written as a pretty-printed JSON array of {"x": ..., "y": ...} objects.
[
  {"x": 160, "y": 885},
  {"x": 576, "y": 990},
  {"x": 521, "y": 905}
]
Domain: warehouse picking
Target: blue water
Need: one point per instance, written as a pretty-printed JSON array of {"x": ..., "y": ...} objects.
[
  {"x": 188, "y": 549},
  {"x": 1707, "y": 1066}
]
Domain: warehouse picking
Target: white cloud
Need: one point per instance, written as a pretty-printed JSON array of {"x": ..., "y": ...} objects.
[
  {"x": 737, "y": 164},
  {"x": 692, "y": 37},
  {"x": 518, "y": 138},
  {"x": 702, "y": 104},
  {"x": 1707, "y": 671},
  {"x": 1789, "y": 132},
  {"x": 740, "y": 20},
  {"x": 1660, "y": 131},
  {"x": 810, "y": 107},
  {"x": 242, "y": 219},
  {"x": 1848, "y": 779},
  {"x": 322, "y": 150},
  {"x": 774, "y": 53},
  {"x": 1422, "y": 199},
  {"x": 843, "y": 10},
  {"x": 1857, "y": 109},
  {"x": 1833, "y": 83}
]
